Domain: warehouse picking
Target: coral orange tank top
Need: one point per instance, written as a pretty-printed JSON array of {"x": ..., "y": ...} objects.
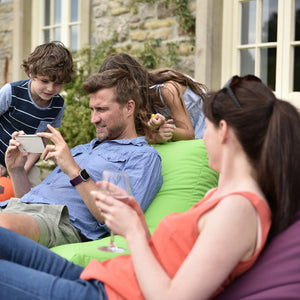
[{"x": 171, "y": 242}]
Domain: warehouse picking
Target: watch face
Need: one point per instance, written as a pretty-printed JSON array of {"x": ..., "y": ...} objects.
[{"x": 84, "y": 174}]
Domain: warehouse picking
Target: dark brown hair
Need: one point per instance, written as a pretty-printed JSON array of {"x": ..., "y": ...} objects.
[
  {"x": 53, "y": 60},
  {"x": 125, "y": 88},
  {"x": 145, "y": 79},
  {"x": 269, "y": 132}
]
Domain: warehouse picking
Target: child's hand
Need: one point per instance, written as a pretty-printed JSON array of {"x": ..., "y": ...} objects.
[
  {"x": 165, "y": 132},
  {"x": 156, "y": 121}
]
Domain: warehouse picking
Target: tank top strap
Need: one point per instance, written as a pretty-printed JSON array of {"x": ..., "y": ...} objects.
[{"x": 157, "y": 88}]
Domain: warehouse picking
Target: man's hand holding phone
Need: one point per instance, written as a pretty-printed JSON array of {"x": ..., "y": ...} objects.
[{"x": 30, "y": 143}]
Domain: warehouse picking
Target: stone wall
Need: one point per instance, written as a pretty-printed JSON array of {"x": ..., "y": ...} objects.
[
  {"x": 6, "y": 39},
  {"x": 134, "y": 21},
  {"x": 137, "y": 22}
]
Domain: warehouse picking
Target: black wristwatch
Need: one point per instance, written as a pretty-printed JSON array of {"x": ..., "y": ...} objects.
[{"x": 83, "y": 176}]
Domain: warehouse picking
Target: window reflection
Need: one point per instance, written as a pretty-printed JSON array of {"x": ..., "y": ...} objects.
[
  {"x": 74, "y": 37},
  {"x": 74, "y": 11},
  {"x": 248, "y": 22},
  {"x": 247, "y": 61},
  {"x": 269, "y": 21},
  {"x": 47, "y": 13},
  {"x": 57, "y": 34},
  {"x": 268, "y": 66},
  {"x": 296, "y": 87},
  {"x": 297, "y": 20},
  {"x": 57, "y": 14},
  {"x": 46, "y": 35}
]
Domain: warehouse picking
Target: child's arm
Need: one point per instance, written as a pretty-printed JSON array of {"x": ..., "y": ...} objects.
[
  {"x": 184, "y": 128},
  {"x": 32, "y": 158},
  {"x": 5, "y": 98}
]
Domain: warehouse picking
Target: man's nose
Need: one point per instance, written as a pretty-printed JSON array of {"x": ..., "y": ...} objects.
[{"x": 95, "y": 118}]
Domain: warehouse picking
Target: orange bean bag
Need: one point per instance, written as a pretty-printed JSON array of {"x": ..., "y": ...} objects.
[{"x": 6, "y": 188}]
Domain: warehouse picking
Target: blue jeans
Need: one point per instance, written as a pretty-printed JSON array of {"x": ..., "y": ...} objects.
[{"x": 29, "y": 270}]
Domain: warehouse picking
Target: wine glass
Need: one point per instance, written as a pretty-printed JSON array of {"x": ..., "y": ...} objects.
[{"x": 120, "y": 179}]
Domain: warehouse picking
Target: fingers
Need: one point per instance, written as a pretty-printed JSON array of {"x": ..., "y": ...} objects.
[
  {"x": 16, "y": 133},
  {"x": 51, "y": 147},
  {"x": 49, "y": 152},
  {"x": 104, "y": 199},
  {"x": 53, "y": 134},
  {"x": 159, "y": 117},
  {"x": 156, "y": 121},
  {"x": 170, "y": 121}
]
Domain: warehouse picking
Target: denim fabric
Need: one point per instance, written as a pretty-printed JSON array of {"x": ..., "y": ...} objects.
[{"x": 31, "y": 271}]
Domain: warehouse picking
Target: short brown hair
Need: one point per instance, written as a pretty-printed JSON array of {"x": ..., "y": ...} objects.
[
  {"x": 51, "y": 59},
  {"x": 125, "y": 88}
]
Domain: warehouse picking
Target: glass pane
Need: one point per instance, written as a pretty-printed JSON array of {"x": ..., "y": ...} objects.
[
  {"x": 57, "y": 34},
  {"x": 248, "y": 22},
  {"x": 269, "y": 21},
  {"x": 268, "y": 66},
  {"x": 46, "y": 36},
  {"x": 297, "y": 20},
  {"x": 247, "y": 61},
  {"x": 296, "y": 87},
  {"x": 47, "y": 13},
  {"x": 74, "y": 37},
  {"x": 57, "y": 12},
  {"x": 74, "y": 11}
]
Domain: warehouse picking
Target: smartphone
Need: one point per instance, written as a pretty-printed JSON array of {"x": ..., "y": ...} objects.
[{"x": 30, "y": 143}]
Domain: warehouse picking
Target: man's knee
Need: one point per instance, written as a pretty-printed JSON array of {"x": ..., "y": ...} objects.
[{"x": 20, "y": 223}]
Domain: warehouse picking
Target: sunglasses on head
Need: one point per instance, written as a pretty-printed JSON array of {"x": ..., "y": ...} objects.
[{"x": 234, "y": 81}]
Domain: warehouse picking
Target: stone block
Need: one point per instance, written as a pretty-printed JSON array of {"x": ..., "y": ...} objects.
[
  {"x": 163, "y": 34},
  {"x": 156, "y": 24},
  {"x": 138, "y": 36},
  {"x": 186, "y": 49}
]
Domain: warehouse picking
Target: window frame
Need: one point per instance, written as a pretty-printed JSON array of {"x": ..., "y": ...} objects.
[
  {"x": 83, "y": 22},
  {"x": 284, "y": 45}
]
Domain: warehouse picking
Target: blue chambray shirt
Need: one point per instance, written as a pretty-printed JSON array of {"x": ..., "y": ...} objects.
[{"x": 142, "y": 162}]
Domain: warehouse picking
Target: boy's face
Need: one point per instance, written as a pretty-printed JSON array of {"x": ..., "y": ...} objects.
[{"x": 42, "y": 89}]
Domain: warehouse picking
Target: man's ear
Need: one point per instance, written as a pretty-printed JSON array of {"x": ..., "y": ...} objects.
[{"x": 130, "y": 106}]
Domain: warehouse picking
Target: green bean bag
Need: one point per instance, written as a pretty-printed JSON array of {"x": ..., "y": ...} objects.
[{"x": 187, "y": 178}]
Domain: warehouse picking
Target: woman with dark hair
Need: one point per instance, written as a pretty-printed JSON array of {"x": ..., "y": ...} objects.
[
  {"x": 253, "y": 141},
  {"x": 175, "y": 99}
]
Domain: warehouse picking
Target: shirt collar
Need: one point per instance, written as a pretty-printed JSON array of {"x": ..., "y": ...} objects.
[{"x": 138, "y": 141}]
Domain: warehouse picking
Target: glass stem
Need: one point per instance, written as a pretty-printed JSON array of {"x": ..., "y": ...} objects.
[{"x": 112, "y": 239}]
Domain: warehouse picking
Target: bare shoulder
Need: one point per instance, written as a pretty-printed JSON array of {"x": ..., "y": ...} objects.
[
  {"x": 236, "y": 208},
  {"x": 236, "y": 203},
  {"x": 171, "y": 91}
]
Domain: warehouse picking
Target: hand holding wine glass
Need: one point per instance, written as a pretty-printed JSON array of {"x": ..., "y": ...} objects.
[{"x": 120, "y": 179}]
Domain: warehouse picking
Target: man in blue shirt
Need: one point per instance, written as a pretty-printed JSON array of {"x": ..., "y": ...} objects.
[{"x": 60, "y": 209}]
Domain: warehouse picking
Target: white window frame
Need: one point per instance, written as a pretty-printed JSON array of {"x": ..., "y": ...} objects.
[
  {"x": 83, "y": 22},
  {"x": 285, "y": 43}
]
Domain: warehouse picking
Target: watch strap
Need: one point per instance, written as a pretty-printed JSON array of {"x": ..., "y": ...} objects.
[{"x": 83, "y": 176}]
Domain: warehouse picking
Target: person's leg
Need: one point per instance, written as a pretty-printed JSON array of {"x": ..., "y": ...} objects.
[
  {"x": 44, "y": 223},
  {"x": 13, "y": 218},
  {"x": 23, "y": 251},
  {"x": 19, "y": 282},
  {"x": 22, "y": 224},
  {"x": 31, "y": 271}
]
